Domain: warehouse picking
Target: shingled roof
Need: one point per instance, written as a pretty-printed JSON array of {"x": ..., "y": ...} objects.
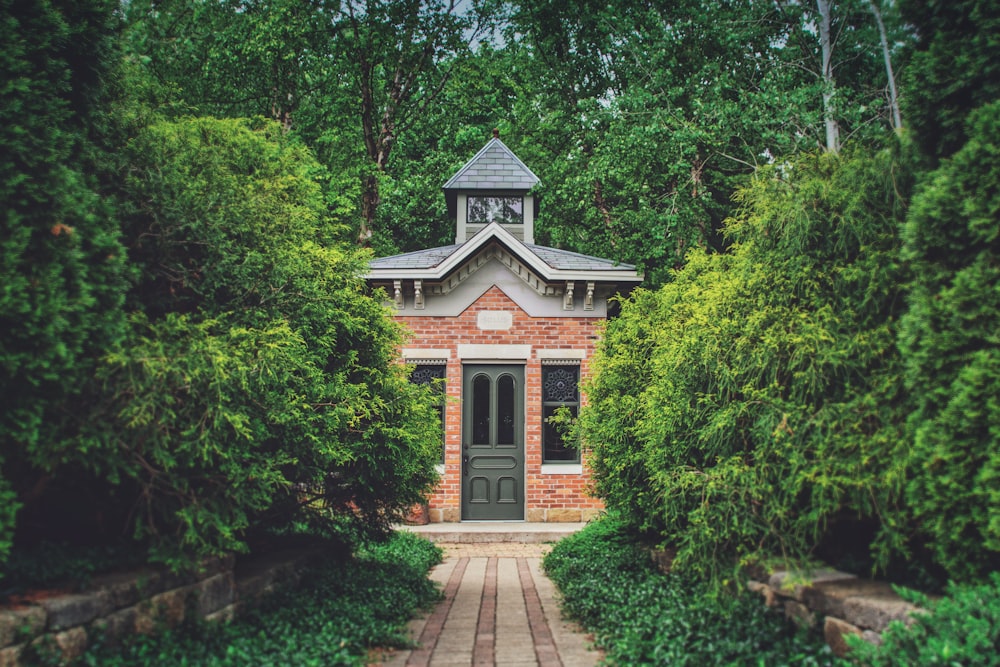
[
  {"x": 494, "y": 167},
  {"x": 549, "y": 263}
]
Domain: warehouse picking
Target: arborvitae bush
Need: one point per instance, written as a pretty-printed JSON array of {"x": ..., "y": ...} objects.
[
  {"x": 950, "y": 341},
  {"x": 259, "y": 380},
  {"x": 753, "y": 402},
  {"x": 62, "y": 277}
]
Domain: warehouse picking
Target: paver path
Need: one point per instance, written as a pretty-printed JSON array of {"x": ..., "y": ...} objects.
[{"x": 499, "y": 609}]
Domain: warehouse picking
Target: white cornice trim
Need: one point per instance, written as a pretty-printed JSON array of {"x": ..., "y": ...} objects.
[{"x": 516, "y": 248}]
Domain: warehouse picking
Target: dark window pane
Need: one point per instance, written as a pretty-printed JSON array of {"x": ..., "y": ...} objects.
[
  {"x": 481, "y": 410},
  {"x": 555, "y": 450},
  {"x": 505, "y": 410},
  {"x": 433, "y": 375},
  {"x": 505, "y": 210}
]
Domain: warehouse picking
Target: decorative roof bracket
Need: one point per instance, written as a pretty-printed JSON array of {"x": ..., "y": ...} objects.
[
  {"x": 418, "y": 294},
  {"x": 568, "y": 296},
  {"x": 588, "y": 300},
  {"x": 397, "y": 294}
]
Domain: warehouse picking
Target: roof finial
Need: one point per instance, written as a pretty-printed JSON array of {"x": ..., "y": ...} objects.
[{"x": 496, "y": 133}]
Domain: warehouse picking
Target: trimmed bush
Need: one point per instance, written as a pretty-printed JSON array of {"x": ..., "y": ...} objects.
[{"x": 752, "y": 405}]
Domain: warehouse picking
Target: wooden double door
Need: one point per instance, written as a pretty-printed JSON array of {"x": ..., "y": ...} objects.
[{"x": 493, "y": 442}]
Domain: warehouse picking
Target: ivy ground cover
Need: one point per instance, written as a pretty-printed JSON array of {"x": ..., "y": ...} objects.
[
  {"x": 344, "y": 608},
  {"x": 641, "y": 616}
]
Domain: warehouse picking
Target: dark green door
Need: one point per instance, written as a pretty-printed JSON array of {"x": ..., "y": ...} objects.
[{"x": 493, "y": 442}]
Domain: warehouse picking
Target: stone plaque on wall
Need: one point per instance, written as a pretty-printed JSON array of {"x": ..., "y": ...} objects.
[{"x": 495, "y": 320}]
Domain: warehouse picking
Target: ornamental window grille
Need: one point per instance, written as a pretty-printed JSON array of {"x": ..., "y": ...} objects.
[
  {"x": 560, "y": 389},
  {"x": 505, "y": 210},
  {"x": 433, "y": 375}
]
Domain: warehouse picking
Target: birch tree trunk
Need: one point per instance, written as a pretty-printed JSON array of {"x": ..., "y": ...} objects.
[
  {"x": 829, "y": 83},
  {"x": 897, "y": 119}
]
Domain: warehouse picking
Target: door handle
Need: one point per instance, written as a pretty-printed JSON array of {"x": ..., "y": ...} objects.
[{"x": 465, "y": 464}]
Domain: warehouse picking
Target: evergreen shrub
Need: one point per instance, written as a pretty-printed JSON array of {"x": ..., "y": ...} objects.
[
  {"x": 752, "y": 405},
  {"x": 949, "y": 338}
]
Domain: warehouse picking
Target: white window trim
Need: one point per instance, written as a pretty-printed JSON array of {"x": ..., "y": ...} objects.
[{"x": 494, "y": 352}]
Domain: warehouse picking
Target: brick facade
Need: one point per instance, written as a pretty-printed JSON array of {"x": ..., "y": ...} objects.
[{"x": 549, "y": 496}]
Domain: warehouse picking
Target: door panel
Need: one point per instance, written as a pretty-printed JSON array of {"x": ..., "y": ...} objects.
[{"x": 493, "y": 442}]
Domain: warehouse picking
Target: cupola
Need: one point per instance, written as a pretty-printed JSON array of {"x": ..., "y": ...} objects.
[{"x": 494, "y": 186}]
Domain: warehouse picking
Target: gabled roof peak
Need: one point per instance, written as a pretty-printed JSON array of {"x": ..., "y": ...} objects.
[{"x": 494, "y": 167}]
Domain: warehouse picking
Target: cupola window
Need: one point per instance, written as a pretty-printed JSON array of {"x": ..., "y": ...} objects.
[{"x": 507, "y": 210}]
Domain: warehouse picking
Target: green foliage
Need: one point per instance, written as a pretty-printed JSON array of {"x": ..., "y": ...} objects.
[
  {"x": 343, "y": 609},
  {"x": 61, "y": 564},
  {"x": 955, "y": 69},
  {"x": 61, "y": 264},
  {"x": 752, "y": 404},
  {"x": 962, "y": 628},
  {"x": 258, "y": 381},
  {"x": 949, "y": 339},
  {"x": 641, "y": 616}
]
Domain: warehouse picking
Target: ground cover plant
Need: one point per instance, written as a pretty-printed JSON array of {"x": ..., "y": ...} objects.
[
  {"x": 345, "y": 606},
  {"x": 961, "y": 628},
  {"x": 641, "y": 616}
]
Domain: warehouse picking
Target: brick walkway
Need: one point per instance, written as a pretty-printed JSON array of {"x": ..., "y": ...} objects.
[{"x": 499, "y": 609}]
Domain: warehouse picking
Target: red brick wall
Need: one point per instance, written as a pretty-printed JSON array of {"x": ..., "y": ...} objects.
[{"x": 548, "y": 497}]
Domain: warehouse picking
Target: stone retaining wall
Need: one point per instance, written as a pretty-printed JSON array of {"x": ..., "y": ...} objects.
[
  {"x": 141, "y": 602},
  {"x": 844, "y": 603}
]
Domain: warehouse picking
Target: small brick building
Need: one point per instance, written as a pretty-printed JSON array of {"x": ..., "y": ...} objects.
[{"x": 506, "y": 328}]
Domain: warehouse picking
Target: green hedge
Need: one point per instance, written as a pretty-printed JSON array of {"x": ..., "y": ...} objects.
[{"x": 752, "y": 405}]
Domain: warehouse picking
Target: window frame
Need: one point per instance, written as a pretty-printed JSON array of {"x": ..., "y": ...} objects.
[
  {"x": 471, "y": 198},
  {"x": 439, "y": 385},
  {"x": 574, "y": 405}
]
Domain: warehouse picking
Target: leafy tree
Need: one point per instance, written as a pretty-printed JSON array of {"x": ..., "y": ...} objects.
[
  {"x": 61, "y": 264},
  {"x": 258, "y": 382},
  {"x": 350, "y": 77}
]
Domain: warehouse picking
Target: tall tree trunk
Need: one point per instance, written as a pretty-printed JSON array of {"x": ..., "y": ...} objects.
[
  {"x": 897, "y": 119},
  {"x": 829, "y": 83}
]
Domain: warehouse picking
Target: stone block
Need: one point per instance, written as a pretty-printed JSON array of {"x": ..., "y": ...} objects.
[
  {"x": 451, "y": 515},
  {"x": 799, "y": 614},
  {"x": 117, "y": 624},
  {"x": 70, "y": 643},
  {"x": 563, "y": 516},
  {"x": 663, "y": 558},
  {"x": 166, "y": 609},
  {"x": 215, "y": 593},
  {"x": 835, "y": 632},
  {"x": 223, "y": 615},
  {"x": 875, "y": 612},
  {"x": 794, "y": 584},
  {"x": 590, "y": 514},
  {"x": 19, "y": 625},
  {"x": 770, "y": 599},
  {"x": 535, "y": 515},
  {"x": 11, "y": 656},
  {"x": 829, "y": 598},
  {"x": 122, "y": 589},
  {"x": 68, "y": 611}
]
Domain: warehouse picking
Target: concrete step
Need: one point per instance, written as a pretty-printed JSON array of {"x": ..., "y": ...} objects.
[{"x": 475, "y": 532}]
